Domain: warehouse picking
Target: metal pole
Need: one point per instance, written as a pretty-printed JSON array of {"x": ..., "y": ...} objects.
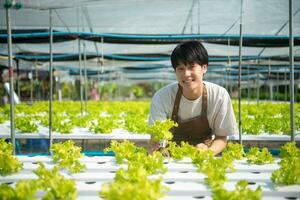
[
  {"x": 277, "y": 86},
  {"x": 80, "y": 77},
  {"x": 17, "y": 80},
  {"x": 102, "y": 54},
  {"x": 188, "y": 17},
  {"x": 101, "y": 66},
  {"x": 285, "y": 85},
  {"x": 248, "y": 83},
  {"x": 31, "y": 85},
  {"x": 198, "y": 16},
  {"x": 291, "y": 71},
  {"x": 51, "y": 79},
  {"x": 80, "y": 64},
  {"x": 37, "y": 93},
  {"x": 192, "y": 23},
  {"x": 85, "y": 11},
  {"x": 85, "y": 78},
  {"x": 240, "y": 74},
  {"x": 11, "y": 81},
  {"x": 257, "y": 87}
]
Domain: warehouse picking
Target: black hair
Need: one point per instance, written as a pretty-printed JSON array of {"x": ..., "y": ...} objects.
[{"x": 189, "y": 53}]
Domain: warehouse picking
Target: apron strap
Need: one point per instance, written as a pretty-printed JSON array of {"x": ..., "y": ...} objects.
[
  {"x": 174, "y": 116},
  {"x": 204, "y": 101}
]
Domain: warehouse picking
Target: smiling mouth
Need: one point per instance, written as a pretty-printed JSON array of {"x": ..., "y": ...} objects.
[{"x": 187, "y": 81}]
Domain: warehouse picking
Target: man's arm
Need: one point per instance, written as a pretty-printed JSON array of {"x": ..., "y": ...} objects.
[
  {"x": 156, "y": 113},
  {"x": 217, "y": 145}
]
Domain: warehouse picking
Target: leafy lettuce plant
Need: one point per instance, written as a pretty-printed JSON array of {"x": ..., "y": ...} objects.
[
  {"x": 24, "y": 190},
  {"x": 3, "y": 116},
  {"x": 215, "y": 178},
  {"x": 136, "y": 123},
  {"x": 240, "y": 193},
  {"x": 54, "y": 184},
  {"x": 234, "y": 150},
  {"x": 26, "y": 124},
  {"x": 62, "y": 124},
  {"x": 178, "y": 152},
  {"x": 51, "y": 182},
  {"x": 7, "y": 192},
  {"x": 124, "y": 151},
  {"x": 289, "y": 150},
  {"x": 133, "y": 184},
  {"x": 67, "y": 155},
  {"x": 80, "y": 121},
  {"x": 289, "y": 171},
  {"x": 215, "y": 170},
  {"x": 104, "y": 124},
  {"x": 201, "y": 158},
  {"x": 137, "y": 156},
  {"x": 151, "y": 163},
  {"x": 255, "y": 156},
  {"x": 160, "y": 130},
  {"x": 8, "y": 163},
  {"x": 128, "y": 183}
]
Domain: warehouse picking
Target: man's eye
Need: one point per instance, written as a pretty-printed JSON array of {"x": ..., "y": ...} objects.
[{"x": 194, "y": 66}]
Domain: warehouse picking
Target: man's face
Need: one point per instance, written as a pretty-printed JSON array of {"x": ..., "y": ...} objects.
[{"x": 190, "y": 76}]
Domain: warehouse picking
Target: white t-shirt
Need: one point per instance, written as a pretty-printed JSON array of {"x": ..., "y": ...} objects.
[{"x": 220, "y": 113}]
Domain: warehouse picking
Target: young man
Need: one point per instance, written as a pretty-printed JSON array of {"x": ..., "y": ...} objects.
[{"x": 203, "y": 110}]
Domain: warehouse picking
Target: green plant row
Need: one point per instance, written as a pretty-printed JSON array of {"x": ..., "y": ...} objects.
[
  {"x": 8, "y": 163},
  {"x": 137, "y": 165},
  {"x": 67, "y": 155},
  {"x": 104, "y": 116},
  {"x": 289, "y": 171},
  {"x": 133, "y": 182},
  {"x": 215, "y": 168},
  {"x": 51, "y": 182},
  {"x": 267, "y": 117},
  {"x": 55, "y": 186}
]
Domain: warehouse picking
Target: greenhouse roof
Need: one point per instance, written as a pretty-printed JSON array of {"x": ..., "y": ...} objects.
[{"x": 131, "y": 33}]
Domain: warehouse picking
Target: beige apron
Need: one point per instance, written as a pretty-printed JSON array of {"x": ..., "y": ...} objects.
[{"x": 195, "y": 130}]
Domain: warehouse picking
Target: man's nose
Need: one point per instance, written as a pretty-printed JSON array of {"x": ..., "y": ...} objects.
[{"x": 187, "y": 72}]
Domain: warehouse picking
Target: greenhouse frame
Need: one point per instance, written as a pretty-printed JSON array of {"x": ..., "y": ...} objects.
[{"x": 54, "y": 53}]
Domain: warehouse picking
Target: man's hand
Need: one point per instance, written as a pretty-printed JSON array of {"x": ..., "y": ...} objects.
[
  {"x": 205, "y": 145},
  {"x": 153, "y": 146},
  {"x": 217, "y": 145},
  {"x": 202, "y": 146}
]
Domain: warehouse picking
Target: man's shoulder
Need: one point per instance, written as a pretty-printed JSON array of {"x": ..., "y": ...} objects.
[
  {"x": 163, "y": 99},
  {"x": 215, "y": 91},
  {"x": 167, "y": 90},
  {"x": 214, "y": 87}
]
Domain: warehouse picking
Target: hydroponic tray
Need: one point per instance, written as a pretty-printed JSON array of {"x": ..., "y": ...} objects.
[
  {"x": 265, "y": 137},
  {"x": 182, "y": 177},
  {"x": 77, "y": 133},
  {"x": 120, "y": 134}
]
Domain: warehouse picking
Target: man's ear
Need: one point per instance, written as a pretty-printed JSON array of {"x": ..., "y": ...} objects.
[{"x": 204, "y": 68}]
